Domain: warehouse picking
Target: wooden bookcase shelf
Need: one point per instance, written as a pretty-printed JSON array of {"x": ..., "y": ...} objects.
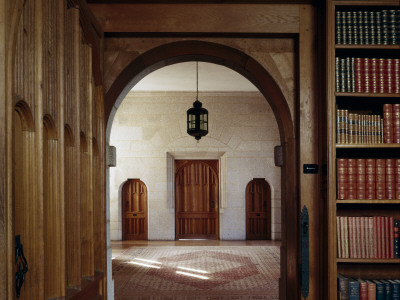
[
  {"x": 369, "y": 261},
  {"x": 378, "y": 47},
  {"x": 377, "y": 146},
  {"x": 367, "y": 95},
  {"x": 368, "y": 201},
  {"x": 361, "y": 103}
]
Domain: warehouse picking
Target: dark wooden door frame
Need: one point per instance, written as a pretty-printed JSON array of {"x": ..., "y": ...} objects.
[{"x": 245, "y": 65}]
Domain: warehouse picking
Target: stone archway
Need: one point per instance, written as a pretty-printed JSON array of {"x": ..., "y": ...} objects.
[{"x": 249, "y": 68}]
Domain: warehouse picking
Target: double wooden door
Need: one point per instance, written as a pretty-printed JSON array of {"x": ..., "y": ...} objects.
[
  {"x": 258, "y": 210},
  {"x": 134, "y": 203},
  {"x": 196, "y": 199}
]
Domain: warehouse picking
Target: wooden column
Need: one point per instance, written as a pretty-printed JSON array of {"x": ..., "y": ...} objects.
[
  {"x": 72, "y": 151},
  {"x": 308, "y": 148}
]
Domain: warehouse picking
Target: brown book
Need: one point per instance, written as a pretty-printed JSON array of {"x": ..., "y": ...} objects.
[
  {"x": 391, "y": 236},
  {"x": 371, "y": 290},
  {"x": 359, "y": 74},
  {"x": 342, "y": 178},
  {"x": 382, "y": 77},
  {"x": 396, "y": 123},
  {"x": 397, "y": 178},
  {"x": 372, "y": 238},
  {"x": 388, "y": 123}
]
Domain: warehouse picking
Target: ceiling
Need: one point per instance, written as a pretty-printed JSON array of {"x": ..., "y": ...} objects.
[{"x": 182, "y": 77}]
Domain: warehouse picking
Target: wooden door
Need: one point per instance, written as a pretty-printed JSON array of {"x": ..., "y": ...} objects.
[
  {"x": 134, "y": 212},
  {"x": 258, "y": 210},
  {"x": 196, "y": 198}
]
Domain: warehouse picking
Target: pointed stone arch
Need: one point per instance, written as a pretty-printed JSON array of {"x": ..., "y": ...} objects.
[{"x": 193, "y": 50}]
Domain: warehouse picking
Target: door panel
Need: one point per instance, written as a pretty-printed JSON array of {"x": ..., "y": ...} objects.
[
  {"x": 134, "y": 202},
  {"x": 196, "y": 194},
  {"x": 258, "y": 210}
]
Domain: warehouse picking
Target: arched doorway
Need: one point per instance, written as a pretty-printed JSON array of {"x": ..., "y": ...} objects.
[
  {"x": 248, "y": 67},
  {"x": 258, "y": 210},
  {"x": 134, "y": 210}
]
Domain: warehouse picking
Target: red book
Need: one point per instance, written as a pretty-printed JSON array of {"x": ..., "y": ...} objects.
[
  {"x": 397, "y": 75},
  {"x": 359, "y": 74},
  {"x": 390, "y": 77},
  {"x": 363, "y": 289},
  {"x": 381, "y": 233},
  {"x": 352, "y": 178},
  {"x": 396, "y": 123},
  {"x": 351, "y": 237},
  {"x": 360, "y": 178},
  {"x": 342, "y": 178},
  {"x": 380, "y": 178},
  {"x": 387, "y": 123},
  {"x": 391, "y": 236},
  {"x": 367, "y": 73},
  {"x": 390, "y": 185},
  {"x": 382, "y": 75},
  {"x": 397, "y": 177},
  {"x": 370, "y": 178}
]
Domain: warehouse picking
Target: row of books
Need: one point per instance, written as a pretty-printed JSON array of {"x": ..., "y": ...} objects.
[
  {"x": 353, "y": 128},
  {"x": 368, "y": 27},
  {"x": 368, "y": 178},
  {"x": 367, "y": 75},
  {"x": 367, "y": 237},
  {"x": 362, "y": 289}
]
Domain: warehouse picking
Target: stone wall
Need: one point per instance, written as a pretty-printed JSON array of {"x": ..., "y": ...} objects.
[{"x": 149, "y": 130}]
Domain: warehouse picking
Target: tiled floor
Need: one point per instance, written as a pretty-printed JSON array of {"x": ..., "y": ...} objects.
[{"x": 120, "y": 246}]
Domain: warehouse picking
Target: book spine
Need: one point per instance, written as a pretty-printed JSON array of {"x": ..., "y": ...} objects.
[
  {"x": 354, "y": 290},
  {"x": 397, "y": 71},
  {"x": 338, "y": 27},
  {"x": 339, "y": 238},
  {"x": 370, "y": 179},
  {"x": 380, "y": 178},
  {"x": 372, "y": 238},
  {"x": 396, "y": 239},
  {"x": 391, "y": 236},
  {"x": 359, "y": 74},
  {"x": 385, "y": 27},
  {"x": 361, "y": 178},
  {"x": 352, "y": 178},
  {"x": 396, "y": 123},
  {"x": 388, "y": 123},
  {"x": 342, "y": 178},
  {"x": 397, "y": 178},
  {"x": 390, "y": 179}
]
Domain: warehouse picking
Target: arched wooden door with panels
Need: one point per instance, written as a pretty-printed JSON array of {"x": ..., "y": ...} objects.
[
  {"x": 134, "y": 210},
  {"x": 196, "y": 198},
  {"x": 258, "y": 210}
]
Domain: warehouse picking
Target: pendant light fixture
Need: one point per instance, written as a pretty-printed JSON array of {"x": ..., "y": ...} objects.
[{"x": 197, "y": 116}]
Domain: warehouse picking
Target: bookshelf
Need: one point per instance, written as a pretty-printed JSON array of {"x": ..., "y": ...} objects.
[{"x": 362, "y": 80}]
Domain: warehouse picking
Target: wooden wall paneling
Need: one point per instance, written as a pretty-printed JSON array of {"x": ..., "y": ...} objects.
[
  {"x": 53, "y": 207},
  {"x": 3, "y": 159},
  {"x": 100, "y": 239},
  {"x": 308, "y": 135},
  {"x": 86, "y": 162},
  {"x": 28, "y": 207},
  {"x": 214, "y": 18},
  {"x": 72, "y": 149}
]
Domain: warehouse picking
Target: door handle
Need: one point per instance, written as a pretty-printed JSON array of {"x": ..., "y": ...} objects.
[
  {"x": 22, "y": 265},
  {"x": 304, "y": 228}
]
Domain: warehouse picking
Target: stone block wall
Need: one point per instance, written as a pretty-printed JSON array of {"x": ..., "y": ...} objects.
[{"x": 149, "y": 130}]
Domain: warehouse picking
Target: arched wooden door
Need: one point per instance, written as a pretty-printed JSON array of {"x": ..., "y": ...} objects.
[
  {"x": 134, "y": 210},
  {"x": 258, "y": 210},
  {"x": 196, "y": 198}
]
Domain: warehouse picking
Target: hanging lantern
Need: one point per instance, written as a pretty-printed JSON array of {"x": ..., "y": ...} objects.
[{"x": 197, "y": 116}]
